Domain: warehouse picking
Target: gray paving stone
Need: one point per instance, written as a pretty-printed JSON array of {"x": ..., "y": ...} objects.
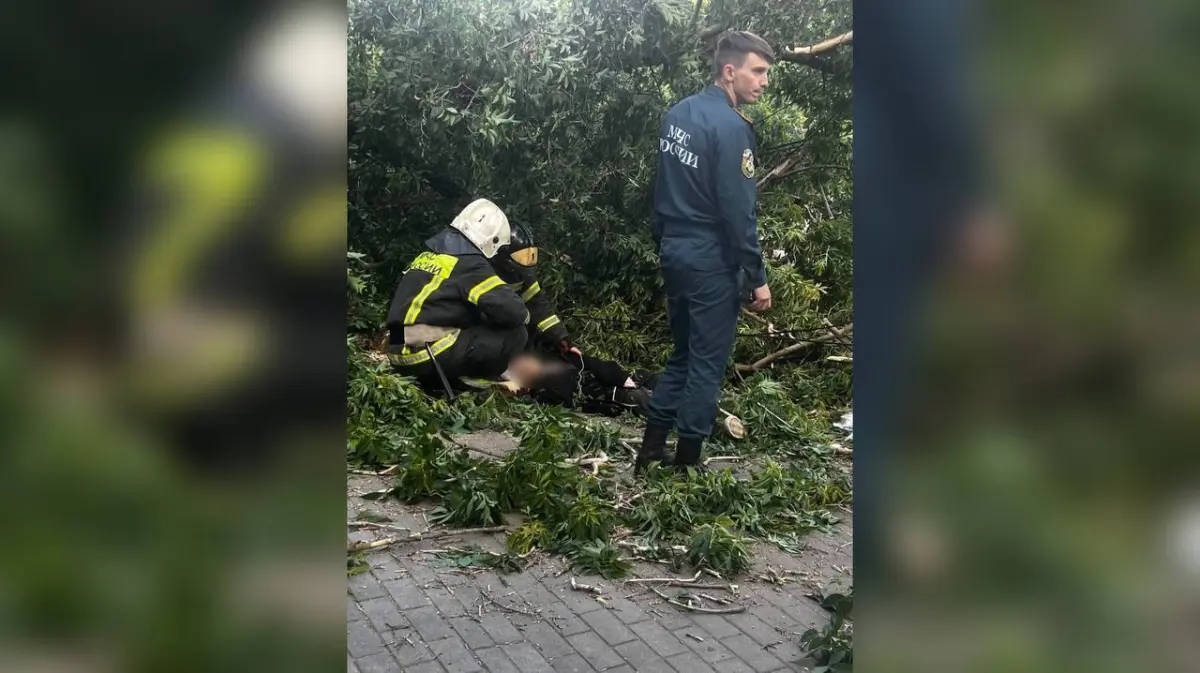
[
  {"x": 656, "y": 666},
  {"x": 407, "y": 594},
  {"x": 499, "y": 628},
  {"x": 496, "y": 661},
  {"x": 364, "y": 586},
  {"x": 710, "y": 650},
  {"x": 547, "y": 640},
  {"x": 609, "y": 627},
  {"x": 380, "y": 662},
  {"x": 719, "y": 626},
  {"x": 454, "y": 656},
  {"x": 753, "y": 654},
  {"x": 621, "y": 669},
  {"x": 384, "y": 614},
  {"x": 639, "y": 655},
  {"x": 411, "y": 651},
  {"x": 760, "y": 631},
  {"x": 788, "y": 651},
  {"x": 350, "y": 667},
  {"x": 445, "y": 602},
  {"x": 571, "y": 664},
  {"x": 598, "y": 653},
  {"x": 733, "y": 666},
  {"x": 527, "y": 658},
  {"x": 353, "y": 614},
  {"x": 361, "y": 639},
  {"x": 471, "y": 632},
  {"x": 627, "y": 611},
  {"x": 662, "y": 641},
  {"x": 427, "y": 667},
  {"x": 688, "y": 662},
  {"x": 429, "y": 624}
]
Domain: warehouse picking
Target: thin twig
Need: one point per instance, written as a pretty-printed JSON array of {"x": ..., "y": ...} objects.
[
  {"x": 717, "y": 459},
  {"x": 418, "y": 537},
  {"x": 381, "y": 526},
  {"x": 681, "y": 580},
  {"x": 385, "y": 472}
]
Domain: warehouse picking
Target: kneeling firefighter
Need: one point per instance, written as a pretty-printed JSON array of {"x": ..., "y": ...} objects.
[{"x": 452, "y": 316}]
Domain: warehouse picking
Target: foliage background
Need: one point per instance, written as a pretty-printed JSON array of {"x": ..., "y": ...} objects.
[{"x": 551, "y": 108}]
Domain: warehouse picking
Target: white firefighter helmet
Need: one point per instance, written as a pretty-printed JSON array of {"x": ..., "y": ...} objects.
[{"x": 485, "y": 225}]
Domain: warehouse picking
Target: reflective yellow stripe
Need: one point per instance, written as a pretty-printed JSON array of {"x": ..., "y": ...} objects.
[
  {"x": 438, "y": 265},
  {"x": 419, "y": 356},
  {"x": 532, "y": 291},
  {"x": 218, "y": 173},
  {"x": 548, "y": 323},
  {"x": 483, "y": 288}
]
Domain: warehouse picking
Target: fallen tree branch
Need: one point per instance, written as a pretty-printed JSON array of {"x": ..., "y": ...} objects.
[
  {"x": 715, "y": 459},
  {"x": 381, "y": 526},
  {"x": 833, "y": 335},
  {"x": 822, "y": 46},
  {"x": 780, "y": 170},
  {"x": 677, "y": 580},
  {"x": 692, "y": 608},
  {"x": 418, "y": 537},
  {"x": 579, "y": 586},
  {"x": 385, "y": 472}
]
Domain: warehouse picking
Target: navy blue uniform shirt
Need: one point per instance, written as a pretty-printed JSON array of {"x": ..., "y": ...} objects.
[{"x": 704, "y": 196}]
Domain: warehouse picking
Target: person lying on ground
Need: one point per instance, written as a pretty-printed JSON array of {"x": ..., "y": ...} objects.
[{"x": 581, "y": 382}]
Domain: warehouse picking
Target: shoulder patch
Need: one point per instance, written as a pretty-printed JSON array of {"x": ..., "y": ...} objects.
[{"x": 748, "y": 164}]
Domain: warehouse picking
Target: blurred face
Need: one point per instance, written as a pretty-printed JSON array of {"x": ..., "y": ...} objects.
[
  {"x": 748, "y": 80},
  {"x": 525, "y": 369}
]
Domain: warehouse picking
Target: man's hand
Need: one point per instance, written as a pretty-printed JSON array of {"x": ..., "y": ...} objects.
[
  {"x": 566, "y": 347},
  {"x": 762, "y": 299}
]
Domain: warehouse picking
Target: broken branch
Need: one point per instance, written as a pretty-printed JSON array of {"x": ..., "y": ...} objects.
[
  {"x": 579, "y": 586},
  {"x": 692, "y": 608},
  {"x": 418, "y": 537},
  {"x": 822, "y": 46},
  {"x": 833, "y": 335}
]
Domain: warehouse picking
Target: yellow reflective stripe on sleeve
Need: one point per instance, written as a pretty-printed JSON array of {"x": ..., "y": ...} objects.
[
  {"x": 440, "y": 266},
  {"x": 218, "y": 173},
  {"x": 532, "y": 291},
  {"x": 419, "y": 356},
  {"x": 483, "y": 288},
  {"x": 548, "y": 323}
]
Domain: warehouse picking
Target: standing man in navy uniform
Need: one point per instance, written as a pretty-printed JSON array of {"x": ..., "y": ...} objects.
[{"x": 707, "y": 236}]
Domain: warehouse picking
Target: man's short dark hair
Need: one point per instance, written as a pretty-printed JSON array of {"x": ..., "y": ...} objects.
[{"x": 733, "y": 46}]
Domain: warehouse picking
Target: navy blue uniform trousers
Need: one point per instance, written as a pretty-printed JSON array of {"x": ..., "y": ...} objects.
[{"x": 703, "y": 308}]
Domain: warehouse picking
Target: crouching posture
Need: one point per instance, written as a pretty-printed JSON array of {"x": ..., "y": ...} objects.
[{"x": 454, "y": 311}]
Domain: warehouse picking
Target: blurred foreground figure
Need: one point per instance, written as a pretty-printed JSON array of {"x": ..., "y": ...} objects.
[
  {"x": 463, "y": 307},
  {"x": 237, "y": 245}
]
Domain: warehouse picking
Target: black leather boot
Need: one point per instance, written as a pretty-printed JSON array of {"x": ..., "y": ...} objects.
[
  {"x": 654, "y": 447},
  {"x": 687, "y": 453}
]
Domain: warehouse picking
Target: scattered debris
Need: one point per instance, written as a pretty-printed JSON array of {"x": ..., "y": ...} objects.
[{"x": 578, "y": 586}]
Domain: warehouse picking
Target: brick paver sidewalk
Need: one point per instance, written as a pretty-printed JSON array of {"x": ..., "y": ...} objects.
[{"x": 410, "y": 613}]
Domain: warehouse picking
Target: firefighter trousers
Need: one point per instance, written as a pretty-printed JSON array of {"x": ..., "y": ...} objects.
[{"x": 482, "y": 351}]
